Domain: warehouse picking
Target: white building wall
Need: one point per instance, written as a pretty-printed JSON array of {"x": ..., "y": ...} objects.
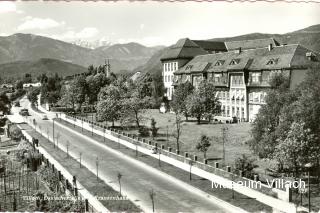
[{"x": 168, "y": 69}]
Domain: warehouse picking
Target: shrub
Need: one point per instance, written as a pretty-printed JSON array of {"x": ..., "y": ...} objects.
[
  {"x": 246, "y": 165},
  {"x": 15, "y": 132},
  {"x": 144, "y": 131}
]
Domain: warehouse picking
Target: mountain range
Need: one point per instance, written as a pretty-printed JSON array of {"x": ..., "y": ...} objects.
[
  {"x": 47, "y": 66},
  {"x": 308, "y": 37},
  {"x": 28, "y": 47}
]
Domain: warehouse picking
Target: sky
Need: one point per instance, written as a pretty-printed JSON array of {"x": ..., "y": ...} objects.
[{"x": 153, "y": 23}]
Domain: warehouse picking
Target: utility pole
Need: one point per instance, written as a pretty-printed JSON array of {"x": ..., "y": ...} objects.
[
  {"x": 92, "y": 124},
  {"x": 54, "y": 146},
  {"x": 80, "y": 158},
  {"x": 97, "y": 167},
  {"x": 68, "y": 149}
]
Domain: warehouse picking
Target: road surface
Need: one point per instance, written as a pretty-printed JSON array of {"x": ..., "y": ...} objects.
[{"x": 137, "y": 180}]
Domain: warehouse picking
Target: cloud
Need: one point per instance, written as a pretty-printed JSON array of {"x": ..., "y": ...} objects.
[
  {"x": 31, "y": 23},
  {"x": 147, "y": 41},
  {"x": 71, "y": 35},
  {"x": 7, "y": 7}
]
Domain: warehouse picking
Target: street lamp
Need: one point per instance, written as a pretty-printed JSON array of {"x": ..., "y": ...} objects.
[{"x": 308, "y": 166}]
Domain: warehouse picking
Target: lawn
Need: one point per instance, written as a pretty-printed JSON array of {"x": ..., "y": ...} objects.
[{"x": 235, "y": 146}]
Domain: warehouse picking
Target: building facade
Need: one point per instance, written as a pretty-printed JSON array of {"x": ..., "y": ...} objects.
[
  {"x": 180, "y": 54},
  {"x": 241, "y": 76}
]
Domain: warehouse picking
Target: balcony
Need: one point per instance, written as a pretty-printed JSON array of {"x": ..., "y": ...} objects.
[{"x": 260, "y": 83}]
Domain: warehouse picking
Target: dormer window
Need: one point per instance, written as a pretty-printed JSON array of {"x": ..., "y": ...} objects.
[
  {"x": 273, "y": 61},
  {"x": 189, "y": 67},
  {"x": 234, "y": 61},
  {"x": 219, "y": 63}
]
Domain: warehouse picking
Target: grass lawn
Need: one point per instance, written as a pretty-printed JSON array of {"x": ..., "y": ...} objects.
[{"x": 238, "y": 135}]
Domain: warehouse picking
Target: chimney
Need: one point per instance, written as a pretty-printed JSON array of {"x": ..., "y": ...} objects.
[
  {"x": 270, "y": 47},
  {"x": 238, "y": 50},
  {"x": 310, "y": 56}
]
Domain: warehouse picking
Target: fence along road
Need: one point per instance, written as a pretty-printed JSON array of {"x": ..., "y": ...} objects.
[{"x": 138, "y": 179}]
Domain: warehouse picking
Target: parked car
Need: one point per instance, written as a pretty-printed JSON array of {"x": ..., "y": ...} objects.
[
  {"x": 17, "y": 104},
  {"x": 24, "y": 112}
]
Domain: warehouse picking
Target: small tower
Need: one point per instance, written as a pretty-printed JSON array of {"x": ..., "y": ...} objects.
[{"x": 107, "y": 68}]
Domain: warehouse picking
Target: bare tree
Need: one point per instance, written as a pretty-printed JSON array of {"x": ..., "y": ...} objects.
[
  {"x": 58, "y": 136},
  {"x": 119, "y": 176},
  {"x": 178, "y": 131},
  {"x": 152, "y": 196},
  {"x": 224, "y": 137}
]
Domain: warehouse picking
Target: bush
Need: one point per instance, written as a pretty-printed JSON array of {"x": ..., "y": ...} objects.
[
  {"x": 15, "y": 133},
  {"x": 246, "y": 165},
  {"x": 143, "y": 131}
]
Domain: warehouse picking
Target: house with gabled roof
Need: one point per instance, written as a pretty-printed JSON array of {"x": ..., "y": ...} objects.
[
  {"x": 181, "y": 53},
  {"x": 241, "y": 76}
]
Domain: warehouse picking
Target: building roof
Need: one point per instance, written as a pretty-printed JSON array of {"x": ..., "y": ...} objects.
[
  {"x": 279, "y": 57},
  {"x": 184, "y": 48},
  {"x": 211, "y": 46},
  {"x": 187, "y": 49},
  {"x": 250, "y": 44}
]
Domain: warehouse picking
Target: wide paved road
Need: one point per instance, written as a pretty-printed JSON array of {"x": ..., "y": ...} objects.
[{"x": 137, "y": 181}]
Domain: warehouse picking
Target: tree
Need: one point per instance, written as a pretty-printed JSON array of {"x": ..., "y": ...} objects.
[
  {"x": 178, "y": 130},
  {"x": 94, "y": 84},
  {"x": 79, "y": 85},
  {"x": 136, "y": 105},
  {"x": 109, "y": 106},
  {"x": 152, "y": 195},
  {"x": 211, "y": 103},
  {"x": 154, "y": 129},
  {"x": 19, "y": 85},
  {"x": 15, "y": 132},
  {"x": 224, "y": 137},
  {"x": 299, "y": 148},
  {"x": 4, "y": 103},
  {"x": 202, "y": 102},
  {"x": 203, "y": 145},
  {"x": 274, "y": 118},
  {"x": 33, "y": 96},
  {"x": 179, "y": 98},
  {"x": 245, "y": 164},
  {"x": 119, "y": 176}
]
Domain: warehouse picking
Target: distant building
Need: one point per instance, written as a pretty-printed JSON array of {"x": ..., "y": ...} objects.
[
  {"x": 180, "y": 54},
  {"x": 31, "y": 85},
  {"x": 241, "y": 75}
]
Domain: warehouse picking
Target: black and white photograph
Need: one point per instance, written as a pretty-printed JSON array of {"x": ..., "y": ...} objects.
[{"x": 160, "y": 106}]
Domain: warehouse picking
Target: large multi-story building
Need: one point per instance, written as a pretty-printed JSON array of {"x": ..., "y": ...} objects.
[
  {"x": 241, "y": 74},
  {"x": 180, "y": 54}
]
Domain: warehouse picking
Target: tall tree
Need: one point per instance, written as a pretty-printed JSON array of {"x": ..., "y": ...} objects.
[
  {"x": 299, "y": 148},
  {"x": 178, "y": 130},
  {"x": 202, "y": 102},
  {"x": 109, "y": 106},
  {"x": 271, "y": 121},
  {"x": 179, "y": 99},
  {"x": 4, "y": 103},
  {"x": 136, "y": 105}
]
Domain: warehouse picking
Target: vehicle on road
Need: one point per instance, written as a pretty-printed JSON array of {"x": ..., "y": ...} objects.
[
  {"x": 24, "y": 112},
  {"x": 44, "y": 117},
  {"x": 17, "y": 104}
]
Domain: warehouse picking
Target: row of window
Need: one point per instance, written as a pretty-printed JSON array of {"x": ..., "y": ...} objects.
[
  {"x": 232, "y": 111},
  {"x": 171, "y": 66},
  {"x": 168, "y": 78},
  {"x": 258, "y": 97}
]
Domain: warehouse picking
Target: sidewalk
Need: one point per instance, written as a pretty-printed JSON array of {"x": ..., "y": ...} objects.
[
  {"x": 95, "y": 186},
  {"x": 225, "y": 195}
]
